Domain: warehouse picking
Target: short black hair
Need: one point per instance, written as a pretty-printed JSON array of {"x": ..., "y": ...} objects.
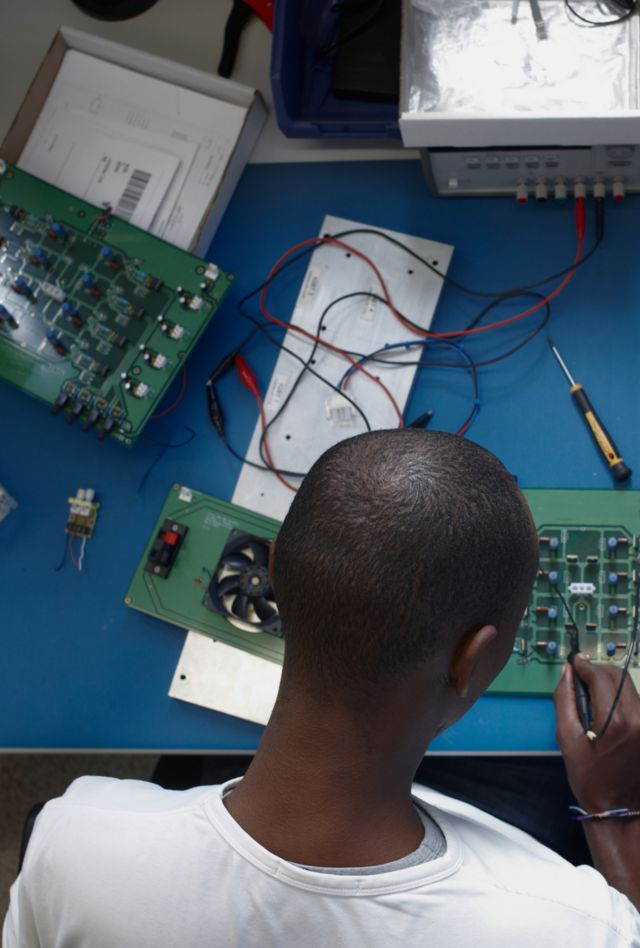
[{"x": 398, "y": 543}]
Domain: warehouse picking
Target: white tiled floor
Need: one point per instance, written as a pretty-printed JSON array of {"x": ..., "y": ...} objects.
[{"x": 26, "y": 779}]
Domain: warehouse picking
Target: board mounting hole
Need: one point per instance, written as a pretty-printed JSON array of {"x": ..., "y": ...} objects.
[{"x": 183, "y": 677}]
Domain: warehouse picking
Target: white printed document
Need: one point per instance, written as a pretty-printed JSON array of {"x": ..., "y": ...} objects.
[
  {"x": 80, "y": 156},
  {"x": 192, "y": 133}
]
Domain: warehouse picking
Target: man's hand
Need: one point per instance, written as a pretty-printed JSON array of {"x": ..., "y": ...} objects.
[{"x": 605, "y": 773}]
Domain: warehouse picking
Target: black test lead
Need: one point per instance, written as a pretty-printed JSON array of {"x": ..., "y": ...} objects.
[
  {"x": 619, "y": 470},
  {"x": 583, "y": 702}
]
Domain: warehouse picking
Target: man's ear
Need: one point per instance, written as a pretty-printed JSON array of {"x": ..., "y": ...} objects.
[
  {"x": 272, "y": 550},
  {"x": 470, "y": 653}
]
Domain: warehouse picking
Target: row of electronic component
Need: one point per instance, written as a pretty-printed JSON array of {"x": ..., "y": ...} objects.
[
  {"x": 551, "y": 649},
  {"x": 58, "y": 341},
  {"x": 611, "y": 544}
]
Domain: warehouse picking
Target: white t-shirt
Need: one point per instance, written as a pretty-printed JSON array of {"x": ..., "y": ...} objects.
[{"x": 125, "y": 864}]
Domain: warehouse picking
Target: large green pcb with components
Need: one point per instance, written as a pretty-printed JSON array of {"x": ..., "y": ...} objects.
[
  {"x": 97, "y": 317},
  {"x": 589, "y": 552},
  {"x": 201, "y": 570}
]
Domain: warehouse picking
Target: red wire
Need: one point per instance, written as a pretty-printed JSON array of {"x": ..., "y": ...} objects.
[
  {"x": 183, "y": 387},
  {"x": 428, "y": 335},
  {"x": 72, "y": 554},
  {"x": 267, "y": 450},
  {"x": 310, "y": 335},
  {"x": 398, "y": 315}
]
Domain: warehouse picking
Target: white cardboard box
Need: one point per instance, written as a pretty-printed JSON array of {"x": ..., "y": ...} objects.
[
  {"x": 156, "y": 67},
  {"x": 523, "y": 66}
]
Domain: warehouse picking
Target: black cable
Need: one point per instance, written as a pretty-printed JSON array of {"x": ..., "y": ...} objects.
[
  {"x": 56, "y": 569},
  {"x": 460, "y": 286},
  {"x": 357, "y": 30},
  {"x": 575, "y": 647},
  {"x": 443, "y": 276},
  {"x": 316, "y": 343},
  {"x": 422, "y": 363},
  {"x": 467, "y": 364},
  {"x": 486, "y": 309},
  {"x": 164, "y": 447},
  {"x": 499, "y": 297},
  {"x": 629, "y": 11},
  {"x": 306, "y": 368}
]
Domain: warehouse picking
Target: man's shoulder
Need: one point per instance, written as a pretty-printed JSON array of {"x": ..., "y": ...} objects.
[
  {"x": 537, "y": 882},
  {"x": 133, "y": 796},
  {"x": 98, "y": 809}
]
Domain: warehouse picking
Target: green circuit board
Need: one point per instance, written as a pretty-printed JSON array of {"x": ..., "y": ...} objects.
[
  {"x": 178, "y": 592},
  {"x": 588, "y": 551},
  {"x": 97, "y": 317}
]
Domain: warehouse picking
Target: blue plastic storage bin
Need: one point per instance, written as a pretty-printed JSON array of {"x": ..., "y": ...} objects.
[{"x": 301, "y": 81}]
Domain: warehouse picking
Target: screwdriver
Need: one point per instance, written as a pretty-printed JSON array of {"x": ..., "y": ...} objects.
[{"x": 619, "y": 470}]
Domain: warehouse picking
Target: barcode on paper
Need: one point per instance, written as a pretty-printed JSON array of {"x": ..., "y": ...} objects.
[{"x": 130, "y": 197}]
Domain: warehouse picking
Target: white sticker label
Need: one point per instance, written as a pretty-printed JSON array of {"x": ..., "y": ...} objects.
[
  {"x": 339, "y": 411},
  {"x": 276, "y": 391},
  {"x": 185, "y": 495},
  {"x": 215, "y": 521},
  {"x": 310, "y": 287}
]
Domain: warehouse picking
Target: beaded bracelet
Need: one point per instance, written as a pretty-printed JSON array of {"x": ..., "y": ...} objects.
[{"x": 623, "y": 813}]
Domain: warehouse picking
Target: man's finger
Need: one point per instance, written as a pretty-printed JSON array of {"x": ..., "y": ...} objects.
[{"x": 602, "y": 682}]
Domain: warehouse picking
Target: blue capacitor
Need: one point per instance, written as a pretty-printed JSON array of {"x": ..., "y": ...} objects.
[
  {"x": 58, "y": 230},
  {"x": 611, "y": 649},
  {"x": 42, "y": 257},
  {"x": 554, "y": 543},
  {"x": 56, "y": 342},
  {"x": 613, "y": 612},
  {"x": 553, "y": 577},
  {"x": 21, "y": 285},
  {"x": 106, "y": 252},
  {"x": 613, "y": 579},
  {"x": 552, "y": 647},
  {"x": 612, "y": 543},
  {"x": 3, "y": 310},
  {"x": 552, "y": 613},
  {"x": 87, "y": 280}
]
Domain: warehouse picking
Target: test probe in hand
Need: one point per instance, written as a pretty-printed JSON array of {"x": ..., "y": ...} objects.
[
  {"x": 619, "y": 470},
  {"x": 583, "y": 703}
]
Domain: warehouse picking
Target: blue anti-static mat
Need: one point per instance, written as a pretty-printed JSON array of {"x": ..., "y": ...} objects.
[{"x": 80, "y": 670}]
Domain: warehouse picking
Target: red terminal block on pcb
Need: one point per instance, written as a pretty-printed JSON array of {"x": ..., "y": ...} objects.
[{"x": 165, "y": 549}]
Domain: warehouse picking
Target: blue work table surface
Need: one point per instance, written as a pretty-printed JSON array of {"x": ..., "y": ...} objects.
[{"x": 78, "y": 669}]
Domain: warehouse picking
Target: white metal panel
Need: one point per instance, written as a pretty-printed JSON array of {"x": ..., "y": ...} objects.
[
  {"x": 226, "y": 679},
  {"x": 360, "y": 325}
]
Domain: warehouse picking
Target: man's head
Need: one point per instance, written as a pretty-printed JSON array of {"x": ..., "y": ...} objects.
[{"x": 403, "y": 549}]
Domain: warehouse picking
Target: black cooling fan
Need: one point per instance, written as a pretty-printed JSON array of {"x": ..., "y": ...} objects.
[{"x": 240, "y": 589}]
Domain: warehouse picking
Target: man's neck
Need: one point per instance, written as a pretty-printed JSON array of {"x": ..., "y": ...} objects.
[{"x": 328, "y": 788}]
